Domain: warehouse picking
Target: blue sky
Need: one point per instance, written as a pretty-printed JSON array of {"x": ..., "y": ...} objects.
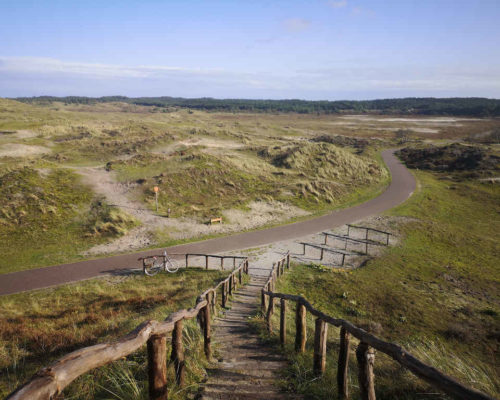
[{"x": 332, "y": 49}]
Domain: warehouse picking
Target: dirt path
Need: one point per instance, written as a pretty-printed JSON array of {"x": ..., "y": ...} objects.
[
  {"x": 247, "y": 368},
  {"x": 105, "y": 183},
  {"x": 401, "y": 187}
]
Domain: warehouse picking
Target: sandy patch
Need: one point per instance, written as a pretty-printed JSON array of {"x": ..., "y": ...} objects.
[
  {"x": 22, "y": 150},
  {"x": 434, "y": 121},
  {"x": 205, "y": 142},
  {"x": 120, "y": 195},
  {"x": 264, "y": 256},
  {"x": 25, "y": 134},
  {"x": 262, "y": 213}
]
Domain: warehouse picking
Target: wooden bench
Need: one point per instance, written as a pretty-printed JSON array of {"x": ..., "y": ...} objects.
[{"x": 214, "y": 220}]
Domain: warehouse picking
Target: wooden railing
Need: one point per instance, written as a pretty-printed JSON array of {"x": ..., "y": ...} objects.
[
  {"x": 208, "y": 256},
  {"x": 51, "y": 381},
  {"x": 365, "y": 354}
]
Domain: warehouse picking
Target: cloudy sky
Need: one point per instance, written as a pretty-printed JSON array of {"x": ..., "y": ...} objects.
[{"x": 332, "y": 49}]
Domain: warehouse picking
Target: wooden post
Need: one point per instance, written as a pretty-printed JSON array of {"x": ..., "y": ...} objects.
[
  {"x": 206, "y": 262},
  {"x": 157, "y": 367},
  {"x": 366, "y": 358},
  {"x": 234, "y": 281},
  {"x": 234, "y": 262},
  {"x": 187, "y": 255},
  {"x": 326, "y": 238},
  {"x": 177, "y": 356},
  {"x": 321, "y": 258},
  {"x": 230, "y": 284},
  {"x": 240, "y": 277},
  {"x": 304, "y": 249},
  {"x": 278, "y": 269},
  {"x": 288, "y": 261},
  {"x": 270, "y": 311},
  {"x": 343, "y": 365},
  {"x": 300, "y": 328},
  {"x": 320, "y": 336},
  {"x": 282, "y": 322},
  {"x": 348, "y": 230},
  {"x": 223, "y": 294},
  {"x": 222, "y": 263},
  {"x": 206, "y": 330},
  {"x": 213, "y": 300},
  {"x": 343, "y": 259},
  {"x": 263, "y": 300}
]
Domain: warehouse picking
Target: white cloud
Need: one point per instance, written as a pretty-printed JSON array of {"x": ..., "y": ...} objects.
[
  {"x": 33, "y": 75},
  {"x": 297, "y": 24},
  {"x": 338, "y": 3},
  {"x": 41, "y": 65}
]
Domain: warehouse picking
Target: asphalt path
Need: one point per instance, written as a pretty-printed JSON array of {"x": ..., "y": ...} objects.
[{"x": 401, "y": 187}]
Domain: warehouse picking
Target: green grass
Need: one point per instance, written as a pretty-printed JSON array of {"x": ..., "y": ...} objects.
[
  {"x": 197, "y": 182},
  {"x": 436, "y": 292},
  {"x": 39, "y": 327},
  {"x": 49, "y": 218}
]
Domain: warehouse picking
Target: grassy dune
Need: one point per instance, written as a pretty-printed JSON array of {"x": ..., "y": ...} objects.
[
  {"x": 205, "y": 165},
  {"x": 436, "y": 293}
]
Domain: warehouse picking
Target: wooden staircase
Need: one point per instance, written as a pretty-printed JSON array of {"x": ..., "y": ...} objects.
[{"x": 247, "y": 368}]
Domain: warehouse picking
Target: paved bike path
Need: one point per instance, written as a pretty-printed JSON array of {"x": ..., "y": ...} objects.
[{"x": 401, "y": 187}]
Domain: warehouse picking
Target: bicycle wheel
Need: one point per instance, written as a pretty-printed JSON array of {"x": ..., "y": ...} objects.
[
  {"x": 171, "y": 265},
  {"x": 152, "y": 266}
]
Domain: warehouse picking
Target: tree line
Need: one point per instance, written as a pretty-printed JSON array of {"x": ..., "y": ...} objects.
[{"x": 457, "y": 106}]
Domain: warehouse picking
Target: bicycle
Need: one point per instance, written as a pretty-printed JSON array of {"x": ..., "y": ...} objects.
[{"x": 153, "y": 264}]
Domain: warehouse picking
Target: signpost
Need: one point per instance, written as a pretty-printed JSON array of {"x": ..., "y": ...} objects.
[{"x": 156, "y": 189}]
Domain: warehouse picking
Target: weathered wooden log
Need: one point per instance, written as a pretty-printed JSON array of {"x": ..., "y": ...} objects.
[
  {"x": 300, "y": 328},
  {"x": 320, "y": 336},
  {"x": 177, "y": 356},
  {"x": 213, "y": 301},
  {"x": 223, "y": 295},
  {"x": 157, "y": 367},
  {"x": 270, "y": 311},
  {"x": 343, "y": 365},
  {"x": 283, "y": 321},
  {"x": 366, "y": 358},
  {"x": 263, "y": 300},
  {"x": 424, "y": 371},
  {"x": 207, "y": 332}
]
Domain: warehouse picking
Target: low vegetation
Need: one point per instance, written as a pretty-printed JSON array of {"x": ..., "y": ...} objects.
[
  {"x": 39, "y": 327},
  {"x": 436, "y": 293},
  {"x": 470, "y": 161}
]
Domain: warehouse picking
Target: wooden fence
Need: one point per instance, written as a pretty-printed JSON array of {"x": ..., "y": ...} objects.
[
  {"x": 208, "y": 256},
  {"x": 51, "y": 381},
  {"x": 365, "y": 354}
]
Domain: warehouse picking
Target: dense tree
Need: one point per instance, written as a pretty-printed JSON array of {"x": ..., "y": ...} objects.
[{"x": 458, "y": 106}]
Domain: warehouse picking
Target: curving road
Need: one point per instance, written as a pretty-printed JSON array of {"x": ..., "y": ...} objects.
[{"x": 401, "y": 187}]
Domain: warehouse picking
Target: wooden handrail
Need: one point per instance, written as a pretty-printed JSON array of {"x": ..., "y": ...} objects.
[
  {"x": 51, "y": 380},
  {"x": 365, "y": 355}
]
